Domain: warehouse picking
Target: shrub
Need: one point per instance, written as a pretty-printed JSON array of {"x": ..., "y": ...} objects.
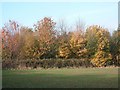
[{"x": 45, "y": 63}]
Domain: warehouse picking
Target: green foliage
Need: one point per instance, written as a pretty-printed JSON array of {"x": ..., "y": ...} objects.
[
  {"x": 92, "y": 40},
  {"x": 115, "y": 47}
]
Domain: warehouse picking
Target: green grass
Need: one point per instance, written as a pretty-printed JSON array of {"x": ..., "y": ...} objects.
[{"x": 61, "y": 78}]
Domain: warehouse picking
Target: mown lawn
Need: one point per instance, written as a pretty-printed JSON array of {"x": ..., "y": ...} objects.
[{"x": 61, "y": 78}]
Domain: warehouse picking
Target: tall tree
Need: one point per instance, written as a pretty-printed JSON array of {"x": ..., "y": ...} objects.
[
  {"x": 115, "y": 46},
  {"x": 92, "y": 39},
  {"x": 10, "y": 39},
  {"x": 102, "y": 57},
  {"x": 78, "y": 42},
  {"x": 27, "y": 43},
  {"x": 46, "y": 30},
  {"x": 63, "y": 41},
  {"x": 0, "y": 44}
]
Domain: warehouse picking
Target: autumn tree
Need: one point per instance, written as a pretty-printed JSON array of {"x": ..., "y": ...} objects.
[
  {"x": 27, "y": 43},
  {"x": 48, "y": 41},
  {"x": 64, "y": 46},
  {"x": 78, "y": 42},
  {"x": 102, "y": 57},
  {"x": 0, "y": 44},
  {"x": 10, "y": 39},
  {"x": 46, "y": 30},
  {"x": 63, "y": 40},
  {"x": 5, "y": 48},
  {"x": 91, "y": 37}
]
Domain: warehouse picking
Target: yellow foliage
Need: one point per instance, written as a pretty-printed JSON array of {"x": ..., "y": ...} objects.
[
  {"x": 78, "y": 43},
  {"x": 64, "y": 51},
  {"x": 102, "y": 55}
]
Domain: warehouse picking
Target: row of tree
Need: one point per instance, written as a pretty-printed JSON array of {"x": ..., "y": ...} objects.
[{"x": 45, "y": 41}]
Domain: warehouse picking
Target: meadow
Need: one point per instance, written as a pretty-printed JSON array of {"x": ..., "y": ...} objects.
[
  {"x": 61, "y": 78},
  {"x": 54, "y": 49}
]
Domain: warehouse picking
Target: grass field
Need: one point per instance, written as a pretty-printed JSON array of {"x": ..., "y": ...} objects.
[{"x": 61, "y": 78}]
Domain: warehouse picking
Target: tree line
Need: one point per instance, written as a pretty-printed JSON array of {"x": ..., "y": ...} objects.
[{"x": 45, "y": 40}]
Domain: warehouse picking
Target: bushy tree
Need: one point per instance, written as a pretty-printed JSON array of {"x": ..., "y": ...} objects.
[
  {"x": 63, "y": 50},
  {"x": 92, "y": 39},
  {"x": 1, "y": 50},
  {"x": 78, "y": 45},
  {"x": 27, "y": 43},
  {"x": 10, "y": 40},
  {"x": 115, "y": 47},
  {"x": 95, "y": 45},
  {"x": 78, "y": 42},
  {"x": 102, "y": 57},
  {"x": 46, "y": 30}
]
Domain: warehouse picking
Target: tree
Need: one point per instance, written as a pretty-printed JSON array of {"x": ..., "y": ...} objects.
[
  {"x": 0, "y": 44},
  {"x": 64, "y": 51},
  {"x": 92, "y": 39},
  {"x": 115, "y": 47},
  {"x": 78, "y": 42},
  {"x": 78, "y": 45},
  {"x": 46, "y": 30},
  {"x": 27, "y": 43},
  {"x": 63, "y": 41},
  {"x": 102, "y": 57},
  {"x": 10, "y": 39}
]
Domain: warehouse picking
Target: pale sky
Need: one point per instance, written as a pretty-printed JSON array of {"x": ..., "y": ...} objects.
[{"x": 27, "y": 13}]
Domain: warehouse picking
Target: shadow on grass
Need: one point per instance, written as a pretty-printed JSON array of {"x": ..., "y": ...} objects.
[{"x": 45, "y": 80}]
